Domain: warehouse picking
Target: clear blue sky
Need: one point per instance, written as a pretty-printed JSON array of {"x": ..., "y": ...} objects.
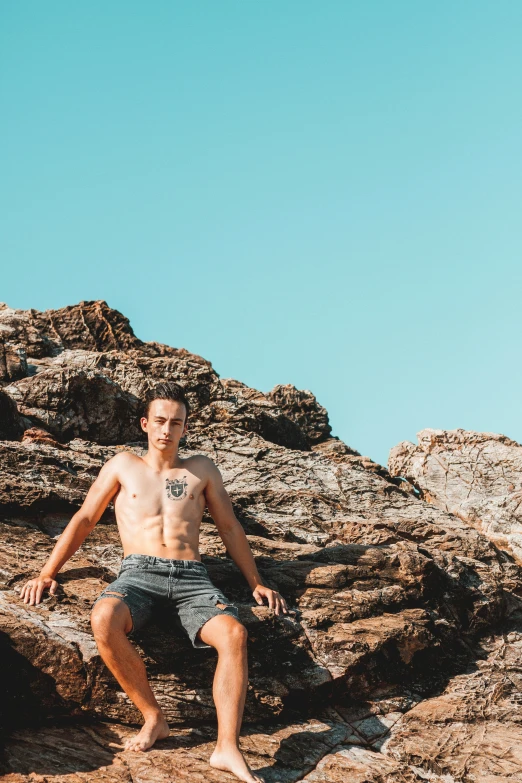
[{"x": 327, "y": 194}]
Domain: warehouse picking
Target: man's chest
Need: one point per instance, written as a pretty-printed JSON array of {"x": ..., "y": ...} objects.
[{"x": 171, "y": 494}]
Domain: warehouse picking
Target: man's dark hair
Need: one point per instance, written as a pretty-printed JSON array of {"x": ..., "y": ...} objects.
[{"x": 164, "y": 391}]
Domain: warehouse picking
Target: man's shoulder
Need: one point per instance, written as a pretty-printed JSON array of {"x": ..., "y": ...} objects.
[
  {"x": 123, "y": 459},
  {"x": 200, "y": 459},
  {"x": 204, "y": 465}
]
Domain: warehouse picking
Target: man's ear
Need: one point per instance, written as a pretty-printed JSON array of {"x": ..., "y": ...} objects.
[{"x": 143, "y": 422}]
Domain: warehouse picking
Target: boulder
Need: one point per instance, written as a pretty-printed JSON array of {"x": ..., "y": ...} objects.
[
  {"x": 72, "y": 403},
  {"x": 87, "y": 325},
  {"x": 302, "y": 408},
  {"x": 477, "y": 476}
]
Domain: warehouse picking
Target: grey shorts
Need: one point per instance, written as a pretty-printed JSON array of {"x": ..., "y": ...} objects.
[{"x": 145, "y": 581}]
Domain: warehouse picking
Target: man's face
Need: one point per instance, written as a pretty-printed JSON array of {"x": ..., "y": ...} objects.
[{"x": 165, "y": 424}]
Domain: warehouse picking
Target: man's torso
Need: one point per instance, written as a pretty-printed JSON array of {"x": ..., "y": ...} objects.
[{"x": 160, "y": 513}]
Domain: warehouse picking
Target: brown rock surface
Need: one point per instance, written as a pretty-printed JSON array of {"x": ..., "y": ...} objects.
[
  {"x": 393, "y": 598},
  {"x": 475, "y": 475},
  {"x": 322, "y": 751},
  {"x": 89, "y": 362},
  {"x": 88, "y": 326},
  {"x": 78, "y": 404},
  {"x": 473, "y": 730}
]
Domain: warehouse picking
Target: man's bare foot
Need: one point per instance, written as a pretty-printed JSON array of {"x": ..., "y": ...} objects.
[
  {"x": 231, "y": 760},
  {"x": 153, "y": 729}
]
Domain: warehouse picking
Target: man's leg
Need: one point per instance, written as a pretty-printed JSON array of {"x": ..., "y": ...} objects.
[
  {"x": 229, "y": 637},
  {"x": 111, "y": 622}
]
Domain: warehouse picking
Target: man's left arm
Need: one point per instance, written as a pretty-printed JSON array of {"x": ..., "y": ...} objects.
[{"x": 235, "y": 540}]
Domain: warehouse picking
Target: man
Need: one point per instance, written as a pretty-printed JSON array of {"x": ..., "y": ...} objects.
[{"x": 159, "y": 500}]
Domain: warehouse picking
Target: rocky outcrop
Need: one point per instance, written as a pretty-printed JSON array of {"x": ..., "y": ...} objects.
[
  {"x": 476, "y": 476},
  {"x": 367, "y": 599},
  {"x": 472, "y": 730},
  {"x": 87, "y": 326},
  {"x": 78, "y": 404},
  {"x": 394, "y": 596},
  {"x": 302, "y": 408},
  {"x": 89, "y": 362},
  {"x": 469, "y": 732},
  {"x": 316, "y": 751}
]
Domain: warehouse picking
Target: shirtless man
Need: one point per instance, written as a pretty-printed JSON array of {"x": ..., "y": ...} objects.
[{"x": 159, "y": 500}]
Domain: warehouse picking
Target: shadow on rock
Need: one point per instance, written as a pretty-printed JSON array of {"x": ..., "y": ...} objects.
[{"x": 58, "y": 750}]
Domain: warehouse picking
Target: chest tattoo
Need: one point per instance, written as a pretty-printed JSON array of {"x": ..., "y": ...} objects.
[{"x": 176, "y": 488}]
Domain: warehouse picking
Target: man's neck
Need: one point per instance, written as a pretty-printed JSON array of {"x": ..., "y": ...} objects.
[{"x": 162, "y": 460}]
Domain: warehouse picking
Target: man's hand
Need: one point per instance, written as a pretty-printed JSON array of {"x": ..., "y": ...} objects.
[
  {"x": 31, "y": 592},
  {"x": 275, "y": 599}
]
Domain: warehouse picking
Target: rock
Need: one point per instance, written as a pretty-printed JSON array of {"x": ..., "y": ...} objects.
[
  {"x": 38, "y": 435},
  {"x": 473, "y": 730},
  {"x": 92, "y": 341},
  {"x": 477, "y": 476},
  {"x": 41, "y": 475},
  {"x": 399, "y": 652},
  {"x": 13, "y": 360},
  {"x": 233, "y": 405},
  {"x": 317, "y": 751},
  {"x": 88, "y": 325},
  {"x": 135, "y": 371},
  {"x": 302, "y": 408},
  {"x": 79, "y": 404},
  {"x": 364, "y": 610}
]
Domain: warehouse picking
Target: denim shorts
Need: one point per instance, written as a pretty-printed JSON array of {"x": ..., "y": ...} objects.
[{"x": 146, "y": 581}]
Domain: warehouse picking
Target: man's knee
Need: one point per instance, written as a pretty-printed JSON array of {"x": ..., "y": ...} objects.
[
  {"x": 108, "y": 615},
  {"x": 223, "y": 633},
  {"x": 233, "y": 633},
  {"x": 239, "y": 633}
]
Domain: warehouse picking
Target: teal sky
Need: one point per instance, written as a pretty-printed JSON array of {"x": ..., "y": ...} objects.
[{"x": 327, "y": 194}]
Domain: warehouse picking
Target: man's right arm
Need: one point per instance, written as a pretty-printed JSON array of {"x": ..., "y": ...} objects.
[{"x": 96, "y": 501}]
